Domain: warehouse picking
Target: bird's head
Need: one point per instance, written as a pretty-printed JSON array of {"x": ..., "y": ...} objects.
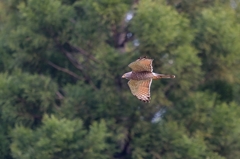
[{"x": 127, "y": 75}]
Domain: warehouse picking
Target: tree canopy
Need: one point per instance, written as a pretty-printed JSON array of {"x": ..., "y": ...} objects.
[{"x": 62, "y": 95}]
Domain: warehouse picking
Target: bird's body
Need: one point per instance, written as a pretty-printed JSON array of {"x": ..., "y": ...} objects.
[
  {"x": 141, "y": 76},
  {"x": 146, "y": 75}
]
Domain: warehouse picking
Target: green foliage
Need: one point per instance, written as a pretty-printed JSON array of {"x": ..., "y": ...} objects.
[
  {"x": 60, "y": 138},
  {"x": 167, "y": 37},
  {"x": 192, "y": 8},
  {"x": 5, "y": 142},
  {"x": 217, "y": 40},
  {"x": 165, "y": 144},
  {"x": 200, "y": 128},
  {"x": 61, "y": 92},
  {"x": 25, "y": 98},
  {"x": 168, "y": 26},
  {"x": 217, "y": 123}
]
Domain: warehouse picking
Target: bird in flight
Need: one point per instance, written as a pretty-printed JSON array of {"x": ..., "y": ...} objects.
[{"x": 141, "y": 76}]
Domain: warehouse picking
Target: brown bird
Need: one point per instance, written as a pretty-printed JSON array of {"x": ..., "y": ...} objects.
[{"x": 140, "y": 78}]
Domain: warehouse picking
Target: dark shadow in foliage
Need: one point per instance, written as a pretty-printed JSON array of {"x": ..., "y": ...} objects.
[
  {"x": 24, "y": 98},
  {"x": 223, "y": 89}
]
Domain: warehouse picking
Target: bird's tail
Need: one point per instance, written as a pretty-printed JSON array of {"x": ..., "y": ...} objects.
[{"x": 159, "y": 76}]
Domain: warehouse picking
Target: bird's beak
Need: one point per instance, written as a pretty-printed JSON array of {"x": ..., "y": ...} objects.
[{"x": 123, "y": 76}]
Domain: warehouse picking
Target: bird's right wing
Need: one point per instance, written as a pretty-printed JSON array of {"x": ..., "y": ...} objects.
[
  {"x": 141, "y": 89},
  {"x": 142, "y": 64}
]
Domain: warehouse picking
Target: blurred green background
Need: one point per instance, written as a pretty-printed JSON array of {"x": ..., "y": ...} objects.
[{"x": 61, "y": 92}]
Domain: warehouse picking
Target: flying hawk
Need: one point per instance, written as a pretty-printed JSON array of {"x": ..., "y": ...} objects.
[{"x": 141, "y": 76}]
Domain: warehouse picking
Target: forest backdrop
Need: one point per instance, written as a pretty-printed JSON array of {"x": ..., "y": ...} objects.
[{"x": 61, "y": 92}]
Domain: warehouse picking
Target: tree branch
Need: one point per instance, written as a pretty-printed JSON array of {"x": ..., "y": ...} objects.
[
  {"x": 76, "y": 64},
  {"x": 85, "y": 53},
  {"x": 73, "y": 60},
  {"x": 120, "y": 32},
  {"x": 69, "y": 50},
  {"x": 64, "y": 70},
  {"x": 59, "y": 95},
  {"x": 169, "y": 85}
]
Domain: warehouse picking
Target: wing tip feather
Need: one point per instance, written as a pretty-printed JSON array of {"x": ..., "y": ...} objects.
[
  {"x": 143, "y": 57},
  {"x": 146, "y": 101}
]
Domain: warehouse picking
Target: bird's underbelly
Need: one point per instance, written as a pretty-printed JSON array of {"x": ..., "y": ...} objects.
[{"x": 142, "y": 75}]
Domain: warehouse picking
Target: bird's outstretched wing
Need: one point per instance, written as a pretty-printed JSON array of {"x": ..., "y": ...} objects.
[
  {"x": 141, "y": 64},
  {"x": 141, "y": 89}
]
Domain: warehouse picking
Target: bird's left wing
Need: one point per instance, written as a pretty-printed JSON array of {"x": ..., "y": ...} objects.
[
  {"x": 141, "y": 64},
  {"x": 141, "y": 89}
]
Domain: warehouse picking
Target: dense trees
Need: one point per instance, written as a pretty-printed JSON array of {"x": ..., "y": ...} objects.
[{"x": 61, "y": 92}]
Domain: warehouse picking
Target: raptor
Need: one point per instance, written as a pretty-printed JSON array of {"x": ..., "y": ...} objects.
[{"x": 141, "y": 76}]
